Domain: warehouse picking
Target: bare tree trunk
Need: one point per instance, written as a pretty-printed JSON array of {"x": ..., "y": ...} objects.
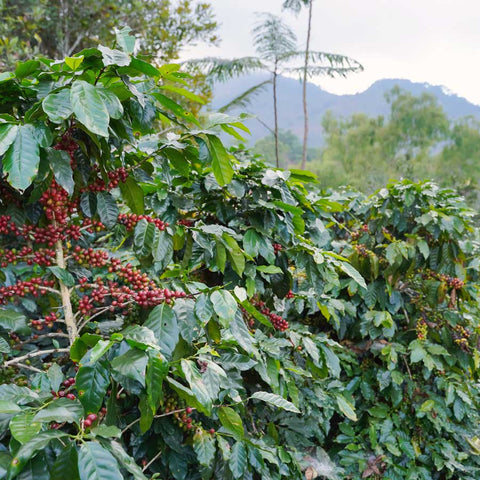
[
  {"x": 65, "y": 293},
  {"x": 275, "y": 115},
  {"x": 305, "y": 71}
]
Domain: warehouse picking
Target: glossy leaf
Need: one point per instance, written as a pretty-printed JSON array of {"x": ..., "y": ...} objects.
[
  {"x": 89, "y": 108},
  {"x": 96, "y": 463}
]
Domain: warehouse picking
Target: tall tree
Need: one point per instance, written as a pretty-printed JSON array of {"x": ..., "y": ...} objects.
[
  {"x": 57, "y": 28},
  {"x": 343, "y": 66},
  {"x": 278, "y": 53}
]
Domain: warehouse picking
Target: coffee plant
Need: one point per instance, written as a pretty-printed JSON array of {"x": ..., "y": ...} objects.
[{"x": 170, "y": 309}]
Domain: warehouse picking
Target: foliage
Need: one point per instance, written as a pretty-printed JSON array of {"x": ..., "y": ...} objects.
[
  {"x": 59, "y": 28},
  {"x": 170, "y": 309},
  {"x": 415, "y": 140}
]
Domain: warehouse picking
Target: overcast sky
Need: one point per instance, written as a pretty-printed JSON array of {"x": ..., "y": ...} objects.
[{"x": 434, "y": 41}]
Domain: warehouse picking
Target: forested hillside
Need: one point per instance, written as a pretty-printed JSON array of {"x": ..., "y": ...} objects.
[{"x": 371, "y": 102}]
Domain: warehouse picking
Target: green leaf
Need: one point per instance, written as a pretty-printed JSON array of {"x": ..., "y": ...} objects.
[
  {"x": 143, "y": 237},
  {"x": 352, "y": 273},
  {"x": 55, "y": 375},
  {"x": 203, "y": 308},
  {"x": 96, "y": 463},
  {"x": 131, "y": 364},
  {"x": 14, "y": 322},
  {"x": 112, "y": 102},
  {"x": 238, "y": 460},
  {"x": 66, "y": 465},
  {"x": 7, "y": 406},
  {"x": 26, "y": 451},
  {"x": 184, "y": 93},
  {"x": 162, "y": 249},
  {"x": 106, "y": 431},
  {"x": 163, "y": 323},
  {"x": 144, "y": 67},
  {"x": 251, "y": 242},
  {"x": 231, "y": 421},
  {"x": 60, "y": 165},
  {"x": 63, "y": 275},
  {"x": 132, "y": 193},
  {"x": 237, "y": 258},
  {"x": 6, "y": 76},
  {"x": 4, "y": 346},
  {"x": 57, "y": 105},
  {"x": 178, "y": 160},
  {"x": 177, "y": 109},
  {"x": 89, "y": 107},
  {"x": 8, "y": 134},
  {"x": 114, "y": 57},
  {"x": 346, "y": 407},
  {"x": 225, "y": 306},
  {"x": 276, "y": 400},
  {"x": 124, "y": 40},
  {"x": 126, "y": 461},
  {"x": 221, "y": 163},
  {"x": 23, "y": 428},
  {"x": 146, "y": 414},
  {"x": 189, "y": 326},
  {"x": 107, "y": 209},
  {"x": 22, "y": 158},
  {"x": 194, "y": 379},
  {"x": 269, "y": 269},
  {"x": 73, "y": 62},
  {"x": 204, "y": 446},
  {"x": 157, "y": 370},
  {"x": 25, "y": 69},
  {"x": 61, "y": 410},
  {"x": 92, "y": 382}
]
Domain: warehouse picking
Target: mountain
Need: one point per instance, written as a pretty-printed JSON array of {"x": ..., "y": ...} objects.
[{"x": 371, "y": 102}]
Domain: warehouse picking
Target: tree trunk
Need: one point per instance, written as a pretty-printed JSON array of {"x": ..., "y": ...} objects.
[
  {"x": 65, "y": 293},
  {"x": 305, "y": 71},
  {"x": 275, "y": 115}
]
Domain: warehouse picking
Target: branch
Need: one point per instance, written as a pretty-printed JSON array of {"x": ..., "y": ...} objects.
[
  {"x": 66, "y": 302},
  {"x": 151, "y": 461},
  {"x": 37, "y": 353}
]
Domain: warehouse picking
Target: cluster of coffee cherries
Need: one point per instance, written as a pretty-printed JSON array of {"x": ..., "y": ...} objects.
[
  {"x": 461, "y": 336},
  {"x": 66, "y": 391},
  {"x": 185, "y": 222},
  {"x": 56, "y": 203},
  {"x": 277, "y": 248},
  {"x": 422, "y": 330},
  {"x": 361, "y": 250},
  {"x": 182, "y": 415},
  {"x": 133, "y": 287},
  {"x": 43, "y": 257},
  {"x": 114, "y": 179},
  {"x": 278, "y": 322},
  {"x": 92, "y": 226},
  {"x": 68, "y": 144},
  {"x": 90, "y": 256},
  {"x": 22, "y": 288},
  {"x": 48, "y": 321},
  {"x": 130, "y": 220},
  {"x": 7, "y": 225},
  {"x": 452, "y": 282}
]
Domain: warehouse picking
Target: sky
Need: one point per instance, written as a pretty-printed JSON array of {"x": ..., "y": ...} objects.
[{"x": 433, "y": 41}]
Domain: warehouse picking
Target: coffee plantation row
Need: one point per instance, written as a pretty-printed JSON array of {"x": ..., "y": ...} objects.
[{"x": 173, "y": 309}]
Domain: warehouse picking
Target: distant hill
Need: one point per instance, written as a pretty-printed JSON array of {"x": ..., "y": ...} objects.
[{"x": 371, "y": 102}]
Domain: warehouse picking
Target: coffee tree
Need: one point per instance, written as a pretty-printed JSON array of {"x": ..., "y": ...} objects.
[
  {"x": 137, "y": 340},
  {"x": 170, "y": 309}
]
